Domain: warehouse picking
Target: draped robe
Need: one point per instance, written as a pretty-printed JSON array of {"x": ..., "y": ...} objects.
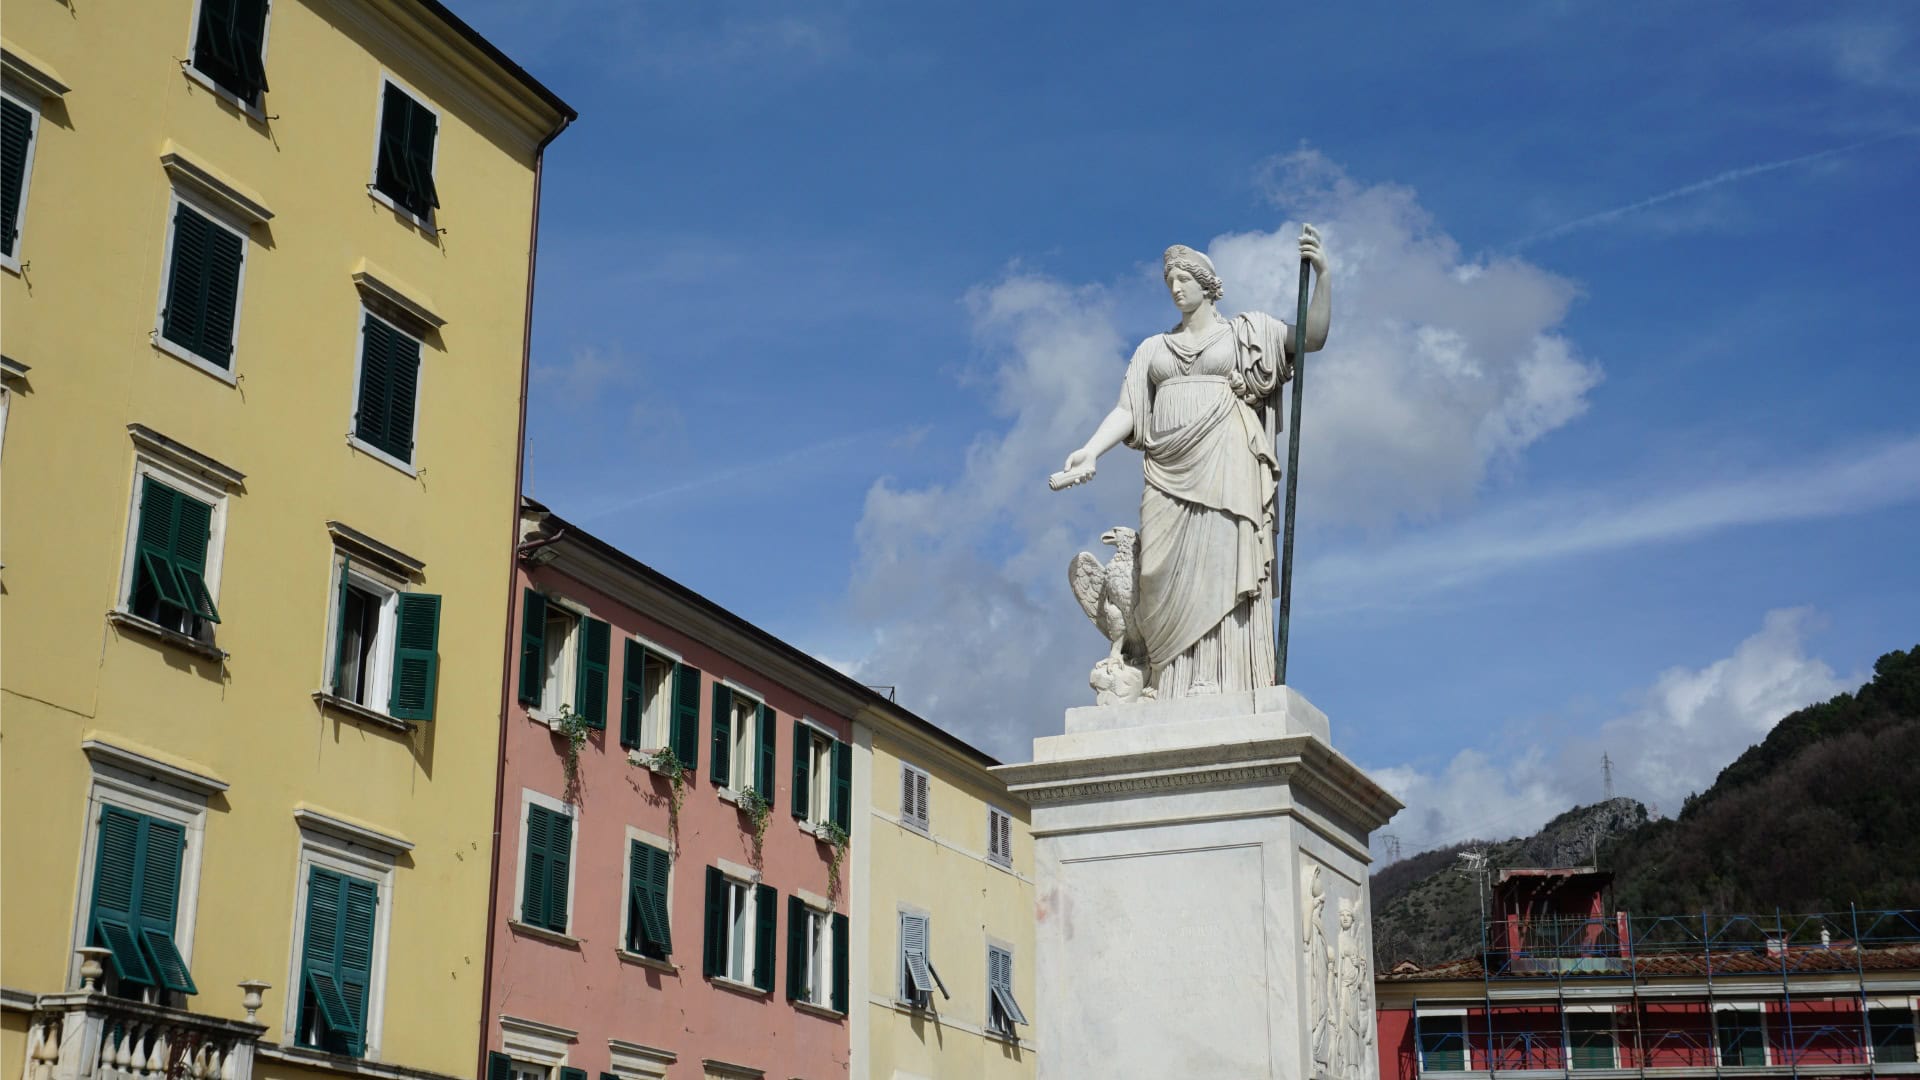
[{"x": 1204, "y": 603}]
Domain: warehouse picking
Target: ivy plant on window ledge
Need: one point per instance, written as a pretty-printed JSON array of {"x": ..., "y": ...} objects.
[
  {"x": 757, "y": 808},
  {"x": 836, "y": 838},
  {"x": 572, "y": 727},
  {"x": 665, "y": 763}
]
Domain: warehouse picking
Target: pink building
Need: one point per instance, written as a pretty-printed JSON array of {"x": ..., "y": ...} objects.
[{"x": 630, "y": 940}]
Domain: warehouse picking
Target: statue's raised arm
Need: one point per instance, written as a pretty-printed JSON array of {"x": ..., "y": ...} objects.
[{"x": 1201, "y": 404}]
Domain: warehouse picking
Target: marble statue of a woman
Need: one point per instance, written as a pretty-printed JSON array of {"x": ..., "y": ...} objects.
[{"x": 1200, "y": 402}]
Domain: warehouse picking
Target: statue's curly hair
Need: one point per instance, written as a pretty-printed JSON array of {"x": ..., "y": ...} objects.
[{"x": 1182, "y": 257}]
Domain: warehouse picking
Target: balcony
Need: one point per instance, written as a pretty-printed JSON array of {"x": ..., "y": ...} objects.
[{"x": 83, "y": 1035}]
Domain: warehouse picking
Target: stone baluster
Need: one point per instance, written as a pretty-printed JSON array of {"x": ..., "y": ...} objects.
[
  {"x": 157, "y": 1053},
  {"x": 43, "y": 1051}
]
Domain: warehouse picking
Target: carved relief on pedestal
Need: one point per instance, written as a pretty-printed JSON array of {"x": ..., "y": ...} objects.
[{"x": 1338, "y": 987}]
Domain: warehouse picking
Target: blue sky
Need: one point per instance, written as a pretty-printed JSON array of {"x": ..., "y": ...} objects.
[{"x": 1615, "y": 447}]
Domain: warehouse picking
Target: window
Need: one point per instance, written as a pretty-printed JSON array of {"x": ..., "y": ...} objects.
[
  {"x": 385, "y": 645},
  {"x": 403, "y": 163},
  {"x": 385, "y": 415},
  {"x": 502, "y": 1067},
  {"x": 19, "y": 131},
  {"x": 136, "y": 896},
  {"x": 336, "y": 961},
  {"x": 1591, "y": 1040},
  {"x": 741, "y": 918},
  {"x": 563, "y": 660},
  {"x": 649, "y": 932},
  {"x": 822, "y": 778},
  {"x": 918, "y": 977},
  {"x": 816, "y": 955},
  {"x": 546, "y": 860},
  {"x": 742, "y": 741},
  {"x": 646, "y": 698},
  {"x": 1893, "y": 1035},
  {"x": 1002, "y": 1010},
  {"x": 229, "y": 47},
  {"x": 914, "y": 785},
  {"x": 171, "y": 549},
  {"x": 1443, "y": 1043},
  {"x": 1743, "y": 1036},
  {"x": 1000, "y": 836},
  {"x": 200, "y": 291}
]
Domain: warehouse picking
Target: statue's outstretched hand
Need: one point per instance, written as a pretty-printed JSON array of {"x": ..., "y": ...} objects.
[
  {"x": 1310, "y": 248},
  {"x": 1078, "y": 470}
]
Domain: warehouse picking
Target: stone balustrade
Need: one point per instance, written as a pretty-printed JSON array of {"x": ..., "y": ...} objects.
[{"x": 91, "y": 1036}]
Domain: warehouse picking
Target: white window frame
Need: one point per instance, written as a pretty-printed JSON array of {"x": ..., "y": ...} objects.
[
  {"x": 1449, "y": 1013},
  {"x": 424, "y": 224},
  {"x": 743, "y": 750},
  {"x": 379, "y": 674},
  {"x": 918, "y": 818},
  {"x": 10, "y": 258},
  {"x": 558, "y": 662},
  {"x": 999, "y": 858},
  {"x": 231, "y": 373},
  {"x": 145, "y": 465},
  {"x": 411, "y": 468},
  {"x": 1892, "y": 1004},
  {"x": 633, "y": 835},
  {"x": 1613, "y": 1032},
  {"x": 254, "y": 109},
  {"x": 656, "y": 708},
  {"x": 528, "y": 799},
  {"x": 818, "y": 985},
  {"x": 112, "y": 785},
  {"x": 533, "y": 1046},
  {"x": 333, "y": 853},
  {"x": 1005, "y": 1030},
  {"x": 903, "y": 992},
  {"x": 820, "y": 744},
  {"x": 742, "y": 928},
  {"x": 1759, "y": 1008}
]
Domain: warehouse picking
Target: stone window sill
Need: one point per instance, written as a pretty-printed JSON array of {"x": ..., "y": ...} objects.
[
  {"x": 358, "y": 711},
  {"x": 544, "y": 934},
  {"x": 127, "y": 620},
  {"x": 744, "y": 989},
  {"x": 727, "y": 794},
  {"x": 819, "y": 1010},
  {"x": 663, "y": 966}
]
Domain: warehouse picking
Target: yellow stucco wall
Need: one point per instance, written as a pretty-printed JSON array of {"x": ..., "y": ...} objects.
[
  {"x": 945, "y": 873},
  {"x": 81, "y": 316}
]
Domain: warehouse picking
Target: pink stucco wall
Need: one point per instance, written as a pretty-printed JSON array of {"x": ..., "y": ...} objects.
[{"x": 590, "y": 988}]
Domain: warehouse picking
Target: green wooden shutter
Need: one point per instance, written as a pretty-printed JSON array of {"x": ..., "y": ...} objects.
[
  {"x": 590, "y": 674},
  {"x": 722, "y": 735},
  {"x": 16, "y": 138},
  {"x": 192, "y": 531},
  {"x": 335, "y": 679},
  {"x": 390, "y": 171},
  {"x": 165, "y": 847},
  {"x": 637, "y": 917},
  {"x": 841, "y": 929},
  {"x": 843, "y": 786},
  {"x": 659, "y": 867},
  {"x": 559, "y": 869},
  {"x": 416, "y": 657},
  {"x": 567, "y": 1072},
  {"x": 763, "y": 740},
  {"x": 159, "y": 510},
  {"x": 802, "y": 769},
  {"x": 421, "y": 131},
  {"x": 250, "y": 39},
  {"x": 376, "y": 380},
  {"x": 225, "y": 255},
  {"x": 499, "y": 1066},
  {"x": 116, "y": 884},
  {"x": 403, "y": 396},
  {"x": 183, "y": 320},
  {"x": 533, "y": 885},
  {"x": 713, "y": 953},
  {"x": 633, "y": 681},
  {"x": 320, "y": 957},
  {"x": 533, "y": 645},
  {"x": 358, "y": 900},
  {"x": 796, "y": 948},
  {"x": 686, "y": 716},
  {"x": 766, "y": 912}
]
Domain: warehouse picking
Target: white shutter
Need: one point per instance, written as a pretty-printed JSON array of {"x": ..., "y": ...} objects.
[
  {"x": 913, "y": 797},
  {"x": 913, "y": 953},
  {"x": 920, "y": 798},
  {"x": 1000, "y": 984}
]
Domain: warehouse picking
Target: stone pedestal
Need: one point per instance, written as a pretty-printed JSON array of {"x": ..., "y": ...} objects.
[{"x": 1195, "y": 861}]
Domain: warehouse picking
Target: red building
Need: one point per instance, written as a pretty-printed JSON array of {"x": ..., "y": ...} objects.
[{"x": 1563, "y": 985}]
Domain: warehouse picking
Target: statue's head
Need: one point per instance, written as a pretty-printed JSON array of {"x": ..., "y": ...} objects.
[
  {"x": 1190, "y": 277},
  {"x": 1346, "y": 914}
]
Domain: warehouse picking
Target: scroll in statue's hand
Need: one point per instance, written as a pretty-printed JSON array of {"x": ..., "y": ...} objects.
[{"x": 1078, "y": 470}]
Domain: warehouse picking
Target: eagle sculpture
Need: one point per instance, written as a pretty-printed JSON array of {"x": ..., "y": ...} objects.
[{"x": 1106, "y": 592}]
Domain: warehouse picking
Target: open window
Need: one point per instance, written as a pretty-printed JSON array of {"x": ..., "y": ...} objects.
[
  {"x": 918, "y": 977},
  {"x": 384, "y": 653},
  {"x": 742, "y": 917},
  {"x": 1003, "y": 1011},
  {"x": 822, "y": 777},
  {"x": 816, "y": 955},
  {"x": 564, "y": 660},
  {"x": 649, "y": 929},
  {"x": 229, "y": 48},
  {"x": 743, "y": 741}
]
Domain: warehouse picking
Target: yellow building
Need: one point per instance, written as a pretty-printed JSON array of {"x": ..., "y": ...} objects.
[
  {"x": 943, "y": 906},
  {"x": 265, "y": 297}
]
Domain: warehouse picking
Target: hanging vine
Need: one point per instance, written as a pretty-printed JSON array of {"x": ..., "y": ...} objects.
[
  {"x": 757, "y": 809},
  {"x": 837, "y": 840},
  {"x": 663, "y": 762},
  {"x": 572, "y": 727}
]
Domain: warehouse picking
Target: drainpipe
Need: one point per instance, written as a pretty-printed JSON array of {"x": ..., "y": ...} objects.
[{"x": 513, "y": 565}]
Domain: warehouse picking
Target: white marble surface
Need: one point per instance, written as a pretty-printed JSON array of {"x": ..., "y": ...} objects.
[{"x": 1174, "y": 858}]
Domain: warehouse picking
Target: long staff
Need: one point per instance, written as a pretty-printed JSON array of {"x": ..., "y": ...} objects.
[{"x": 1292, "y": 478}]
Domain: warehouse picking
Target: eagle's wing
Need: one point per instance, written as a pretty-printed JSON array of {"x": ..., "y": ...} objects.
[{"x": 1088, "y": 579}]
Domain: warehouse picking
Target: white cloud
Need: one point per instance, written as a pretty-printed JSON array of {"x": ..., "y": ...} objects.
[
  {"x": 1676, "y": 736},
  {"x": 585, "y": 375},
  {"x": 1440, "y": 371}
]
